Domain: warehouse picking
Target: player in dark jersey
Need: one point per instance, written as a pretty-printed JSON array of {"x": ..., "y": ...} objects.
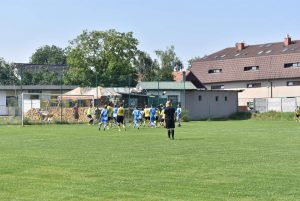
[{"x": 169, "y": 119}]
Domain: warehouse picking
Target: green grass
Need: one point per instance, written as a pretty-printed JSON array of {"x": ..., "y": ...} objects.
[{"x": 230, "y": 160}]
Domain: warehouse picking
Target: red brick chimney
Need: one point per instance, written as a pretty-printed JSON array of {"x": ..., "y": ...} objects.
[
  {"x": 240, "y": 46},
  {"x": 287, "y": 40}
]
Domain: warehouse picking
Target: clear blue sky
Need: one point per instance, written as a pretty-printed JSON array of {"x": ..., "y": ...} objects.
[{"x": 194, "y": 27}]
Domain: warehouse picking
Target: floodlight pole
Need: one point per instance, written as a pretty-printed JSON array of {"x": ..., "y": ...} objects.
[
  {"x": 184, "y": 78},
  {"x": 22, "y": 112},
  {"x": 61, "y": 77},
  {"x": 97, "y": 90},
  {"x": 158, "y": 89},
  {"x": 129, "y": 91}
]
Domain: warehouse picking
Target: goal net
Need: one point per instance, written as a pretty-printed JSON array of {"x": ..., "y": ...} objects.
[{"x": 41, "y": 108}]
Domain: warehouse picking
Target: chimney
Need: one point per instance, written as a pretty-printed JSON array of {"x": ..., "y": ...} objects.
[
  {"x": 287, "y": 40},
  {"x": 240, "y": 46}
]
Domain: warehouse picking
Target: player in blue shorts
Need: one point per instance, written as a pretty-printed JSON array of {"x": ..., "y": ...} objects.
[
  {"x": 178, "y": 114},
  {"x": 152, "y": 116},
  {"x": 136, "y": 115},
  {"x": 104, "y": 118}
]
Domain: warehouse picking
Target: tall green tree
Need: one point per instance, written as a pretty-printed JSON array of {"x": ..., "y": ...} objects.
[
  {"x": 49, "y": 55},
  {"x": 7, "y": 73},
  {"x": 169, "y": 63},
  {"x": 110, "y": 53},
  {"x": 40, "y": 77},
  {"x": 146, "y": 66}
]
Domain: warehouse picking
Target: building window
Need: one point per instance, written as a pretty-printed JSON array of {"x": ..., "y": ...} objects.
[
  {"x": 292, "y": 65},
  {"x": 251, "y": 68},
  {"x": 214, "y": 87},
  {"x": 260, "y": 52},
  {"x": 219, "y": 70},
  {"x": 253, "y": 85},
  {"x": 200, "y": 98},
  {"x": 217, "y": 98},
  {"x": 225, "y": 98},
  {"x": 293, "y": 83}
]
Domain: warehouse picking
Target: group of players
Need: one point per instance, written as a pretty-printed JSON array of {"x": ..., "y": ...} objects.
[{"x": 114, "y": 116}]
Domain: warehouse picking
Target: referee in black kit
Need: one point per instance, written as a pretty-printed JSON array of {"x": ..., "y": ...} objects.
[{"x": 170, "y": 119}]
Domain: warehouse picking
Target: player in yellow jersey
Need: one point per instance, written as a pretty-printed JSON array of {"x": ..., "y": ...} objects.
[
  {"x": 110, "y": 115},
  {"x": 297, "y": 114},
  {"x": 147, "y": 115},
  {"x": 157, "y": 114},
  {"x": 120, "y": 117}
]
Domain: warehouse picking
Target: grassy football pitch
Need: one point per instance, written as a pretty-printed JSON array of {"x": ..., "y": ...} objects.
[{"x": 221, "y": 160}]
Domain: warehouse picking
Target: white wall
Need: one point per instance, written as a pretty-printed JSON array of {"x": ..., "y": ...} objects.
[
  {"x": 279, "y": 89},
  {"x": 208, "y": 107},
  {"x": 3, "y": 110}
]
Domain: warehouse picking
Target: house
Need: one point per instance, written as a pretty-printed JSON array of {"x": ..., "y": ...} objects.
[
  {"x": 199, "y": 104},
  {"x": 208, "y": 104},
  {"x": 160, "y": 91},
  {"x": 259, "y": 71}
]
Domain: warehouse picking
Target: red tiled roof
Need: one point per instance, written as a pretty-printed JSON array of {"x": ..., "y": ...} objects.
[{"x": 270, "y": 58}]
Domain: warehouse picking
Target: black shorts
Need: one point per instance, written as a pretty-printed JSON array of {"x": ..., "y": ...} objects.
[
  {"x": 297, "y": 115},
  {"x": 109, "y": 118},
  {"x": 156, "y": 118},
  {"x": 170, "y": 123},
  {"x": 76, "y": 116},
  {"x": 147, "y": 118},
  {"x": 120, "y": 119}
]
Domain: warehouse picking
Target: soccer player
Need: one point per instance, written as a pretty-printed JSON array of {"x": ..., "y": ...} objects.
[
  {"x": 297, "y": 113},
  {"x": 115, "y": 114},
  {"x": 157, "y": 116},
  {"x": 120, "y": 117},
  {"x": 162, "y": 117},
  {"x": 152, "y": 111},
  {"x": 136, "y": 115},
  {"x": 170, "y": 119},
  {"x": 89, "y": 113},
  {"x": 178, "y": 114},
  {"x": 110, "y": 115},
  {"x": 147, "y": 115},
  {"x": 76, "y": 112},
  {"x": 104, "y": 118}
]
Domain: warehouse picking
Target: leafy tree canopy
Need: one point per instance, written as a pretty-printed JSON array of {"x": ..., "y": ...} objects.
[
  {"x": 146, "y": 66},
  {"x": 107, "y": 55},
  {"x": 7, "y": 73},
  {"x": 169, "y": 63},
  {"x": 40, "y": 77},
  {"x": 49, "y": 55}
]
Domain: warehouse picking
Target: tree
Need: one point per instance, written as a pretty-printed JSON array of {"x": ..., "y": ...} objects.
[
  {"x": 192, "y": 60},
  {"x": 40, "y": 77},
  {"x": 146, "y": 66},
  {"x": 169, "y": 62},
  {"x": 7, "y": 73},
  {"x": 49, "y": 55},
  {"x": 111, "y": 53}
]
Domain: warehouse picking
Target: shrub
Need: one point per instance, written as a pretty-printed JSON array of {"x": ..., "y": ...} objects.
[{"x": 184, "y": 116}]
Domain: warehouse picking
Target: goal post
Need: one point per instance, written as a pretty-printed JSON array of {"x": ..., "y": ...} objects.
[{"x": 41, "y": 108}]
